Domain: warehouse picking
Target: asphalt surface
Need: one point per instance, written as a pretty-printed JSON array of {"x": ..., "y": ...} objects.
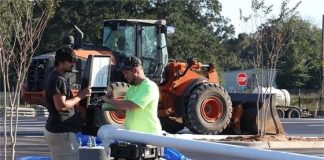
[
  {"x": 32, "y": 126},
  {"x": 306, "y": 127}
]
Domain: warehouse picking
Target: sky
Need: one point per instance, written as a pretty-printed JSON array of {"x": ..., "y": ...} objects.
[{"x": 311, "y": 10}]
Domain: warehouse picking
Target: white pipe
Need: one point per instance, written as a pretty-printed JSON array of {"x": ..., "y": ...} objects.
[
  {"x": 106, "y": 133},
  {"x": 79, "y": 30}
]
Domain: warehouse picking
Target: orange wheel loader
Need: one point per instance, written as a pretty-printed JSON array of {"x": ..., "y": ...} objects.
[{"x": 190, "y": 93}]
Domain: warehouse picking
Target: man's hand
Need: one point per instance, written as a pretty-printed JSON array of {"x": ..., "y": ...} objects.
[
  {"x": 104, "y": 98},
  {"x": 86, "y": 92},
  {"x": 118, "y": 104},
  {"x": 109, "y": 93},
  {"x": 106, "y": 106}
]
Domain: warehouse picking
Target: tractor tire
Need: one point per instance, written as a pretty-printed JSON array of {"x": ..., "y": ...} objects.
[
  {"x": 208, "y": 109},
  {"x": 171, "y": 125},
  {"x": 116, "y": 117},
  {"x": 294, "y": 113},
  {"x": 281, "y": 113}
]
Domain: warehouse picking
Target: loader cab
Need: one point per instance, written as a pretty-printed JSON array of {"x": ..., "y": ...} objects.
[{"x": 145, "y": 39}]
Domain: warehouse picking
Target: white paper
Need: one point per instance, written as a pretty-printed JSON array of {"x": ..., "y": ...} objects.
[{"x": 100, "y": 66}]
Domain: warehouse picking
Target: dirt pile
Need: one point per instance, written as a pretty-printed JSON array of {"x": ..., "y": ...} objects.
[{"x": 281, "y": 138}]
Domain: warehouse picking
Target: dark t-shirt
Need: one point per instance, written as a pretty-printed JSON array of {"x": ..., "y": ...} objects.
[{"x": 58, "y": 122}]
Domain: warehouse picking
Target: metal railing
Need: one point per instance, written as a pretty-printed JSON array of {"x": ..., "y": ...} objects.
[{"x": 107, "y": 133}]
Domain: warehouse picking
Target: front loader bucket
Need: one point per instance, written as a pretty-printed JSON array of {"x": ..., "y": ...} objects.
[{"x": 259, "y": 113}]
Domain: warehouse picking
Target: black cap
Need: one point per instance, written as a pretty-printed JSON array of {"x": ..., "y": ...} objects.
[
  {"x": 130, "y": 62},
  {"x": 68, "y": 40}
]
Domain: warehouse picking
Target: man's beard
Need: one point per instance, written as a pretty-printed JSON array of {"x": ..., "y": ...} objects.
[
  {"x": 69, "y": 70},
  {"x": 132, "y": 81}
]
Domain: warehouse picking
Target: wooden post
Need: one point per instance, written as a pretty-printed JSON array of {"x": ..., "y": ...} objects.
[{"x": 316, "y": 109}]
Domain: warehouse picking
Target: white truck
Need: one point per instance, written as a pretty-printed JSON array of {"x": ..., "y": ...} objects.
[{"x": 284, "y": 109}]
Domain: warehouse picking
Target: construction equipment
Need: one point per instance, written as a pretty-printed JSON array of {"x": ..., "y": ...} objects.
[{"x": 190, "y": 93}]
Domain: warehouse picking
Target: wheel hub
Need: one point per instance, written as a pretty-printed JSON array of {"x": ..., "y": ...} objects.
[
  {"x": 117, "y": 116},
  {"x": 211, "y": 109}
]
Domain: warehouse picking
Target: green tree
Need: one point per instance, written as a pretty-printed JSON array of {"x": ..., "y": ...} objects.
[
  {"x": 300, "y": 67},
  {"x": 239, "y": 52},
  {"x": 286, "y": 42},
  {"x": 270, "y": 43},
  {"x": 89, "y": 17},
  {"x": 200, "y": 28}
]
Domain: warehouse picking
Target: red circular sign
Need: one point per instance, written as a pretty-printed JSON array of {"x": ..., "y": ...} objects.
[{"x": 241, "y": 79}]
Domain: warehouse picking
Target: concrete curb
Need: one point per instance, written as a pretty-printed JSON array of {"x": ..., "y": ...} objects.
[
  {"x": 257, "y": 144},
  {"x": 279, "y": 145},
  {"x": 247, "y": 144},
  {"x": 299, "y": 145}
]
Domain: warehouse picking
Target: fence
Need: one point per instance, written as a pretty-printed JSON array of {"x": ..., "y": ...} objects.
[
  {"x": 26, "y": 112},
  {"x": 24, "y": 109},
  {"x": 306, "y": 98},
  {"x": 41, "y": 111}
]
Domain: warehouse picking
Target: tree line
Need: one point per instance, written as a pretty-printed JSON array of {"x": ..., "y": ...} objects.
[
  {"x": 200, "y": 32},
  {"x": 286, "y": 42}
]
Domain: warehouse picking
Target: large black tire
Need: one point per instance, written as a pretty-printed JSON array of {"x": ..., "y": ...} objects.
[
  {"x": 294, "y": 113},
  {"x": 171, "y": 125},
  {"x": 119, "y": 90},
  {"x": 208, "y": 110},
  {"x": 281, "y": 112}
]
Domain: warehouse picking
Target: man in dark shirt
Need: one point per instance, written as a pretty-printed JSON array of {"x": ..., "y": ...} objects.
[{"x": 62, "y": 122}]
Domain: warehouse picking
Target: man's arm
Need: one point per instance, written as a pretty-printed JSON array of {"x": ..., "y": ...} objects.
[
  {"x": 61, "y": 104},
  {"x": 120, "y": 104}
]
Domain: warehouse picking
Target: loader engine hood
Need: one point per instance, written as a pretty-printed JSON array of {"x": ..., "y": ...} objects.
[
  {"x": 41, "y": 66},
  {"x": 38, "y": 71}
]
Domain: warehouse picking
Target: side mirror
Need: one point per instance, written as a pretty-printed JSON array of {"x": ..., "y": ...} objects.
[{"x": 170, "y": 30}]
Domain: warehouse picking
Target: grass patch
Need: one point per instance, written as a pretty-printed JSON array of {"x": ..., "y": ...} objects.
[{"x": 309, "y": 101}]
